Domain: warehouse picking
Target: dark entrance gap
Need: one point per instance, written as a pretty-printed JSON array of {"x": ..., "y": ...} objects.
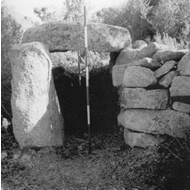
[{"x": 104, "y": 106}]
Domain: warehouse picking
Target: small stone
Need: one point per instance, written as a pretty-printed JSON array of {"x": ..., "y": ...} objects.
[
  {"x": 165, "y": 68},
  {"x": 26, "y": 160},
  {"x": 180, "y": 86},
  {"x": 166, "y": 80},
  {"x": 134, "y": 139},
  {"x": 182, "y": 107},
  {"x": 139, "y": 44},
  {"x": 3, "y": 155},
  {"x": 166, "y": 55},
  {"x": 137, "y": 76},
  {"x": 141, "y": 98},
  {"x": 184, "y": 65}
]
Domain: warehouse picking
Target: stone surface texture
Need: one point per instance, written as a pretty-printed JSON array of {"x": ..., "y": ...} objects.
[
  {"x": 137, "y": 76},
  {"x": 128, "y": 54},
  {"x": 168, "y": 65},
  {"x": 180, "y": 86},
  {"x": 141, "y": 98},
  {"x": 182, "y": 107},
  {"x": 164, "y": 55},
  {"x": 184, "y": 65},
  {"x": 168, "y": 122},
  {"x": 139, "y": 44},
  {"x": 37, "y": 120},
  {"x": 166, "y": 80},
  {"x": 61, "y": 36},
  {"x": 134, "y": 139}
]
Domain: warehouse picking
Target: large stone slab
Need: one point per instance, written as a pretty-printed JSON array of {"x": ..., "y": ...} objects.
[
  {"x": 184, "y": 65},
  {"x": 182, "y": 107},
  {"x": 169, "y": 122},
  {"x": 61, "y": 36},
  {"x": 37, "y": 120},
  {"x": 128, "y": 54},
  {"x": 134, "y": 139},
  {"x": 166, "y": 55},
  {"x": 141, "y": 98},
  {"x": 137, "y": 76},
  {"x": 180, "y": 86},
  {"x": 168, "y": 65},
  {"x": 166, "y": 80}
]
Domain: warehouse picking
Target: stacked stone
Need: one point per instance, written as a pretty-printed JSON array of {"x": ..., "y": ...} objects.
[{"x": 154, "y": 89}]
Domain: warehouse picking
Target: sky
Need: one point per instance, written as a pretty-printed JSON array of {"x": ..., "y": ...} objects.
[{"x": 25, "y": 7}]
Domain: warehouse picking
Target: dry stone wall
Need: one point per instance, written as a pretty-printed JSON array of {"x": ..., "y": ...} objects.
[{"x": 154, "y": 89}]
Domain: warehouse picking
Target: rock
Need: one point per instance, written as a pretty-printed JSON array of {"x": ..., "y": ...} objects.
[
  {"x": 169, "y": 122},
  {"x": 37, "y": 120},
  {"x": 139, "y": 44},
  {"x": 182, "y": 107},
  {"x": 165, "y": 68},
  {"x": 62, "y": 36},
  {"x": 184, "y": 65},
  {"x": 141, "y": 98},
  {"x": 117, "y": 74},
  {"x": 134, "y": 139},
  {"x": 26, "y": 160},
  {"x": 3, "y": 155},
  {"x": 136, "y": 76},
  {"x": 166, "y": 55},
  {"x": 180, "y": 86},
  {"x": 166, "y": 80},
  {"x": 128, "y": 54},
  {"x": 146, "y": 62}
]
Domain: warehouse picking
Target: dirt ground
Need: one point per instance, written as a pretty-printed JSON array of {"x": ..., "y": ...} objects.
[{"x": 111, "y": 166}]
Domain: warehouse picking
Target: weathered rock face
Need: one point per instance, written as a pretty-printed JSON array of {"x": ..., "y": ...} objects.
[
  {"x": 63, "y": 36},
  {"x": 184, "y": 65},
  {"x": 134, "y": 139},
  {"x": 180, "y": 86},
  {"x": 37, "y": 120},
  {"x": 164, "y": 56},
  {"x": 182, "y": 107},
  {"x": 141, "y": 98},
  {"x": 137, "y": 76},
  {"x": 117, "y": 74},
  {"x": 169, "y": 122},
  {"x": 165, "y": 68},
  {"x": 128, "y": 55},
  {"x": 166, "y": 80}
]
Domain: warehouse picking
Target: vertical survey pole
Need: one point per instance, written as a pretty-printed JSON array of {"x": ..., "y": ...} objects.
[
  {"x": 79, "y": 60},
  {"x": 87, "y": 80}
]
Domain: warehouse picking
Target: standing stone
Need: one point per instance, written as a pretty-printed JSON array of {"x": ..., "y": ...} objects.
[
  {"x": 141, "y": 98},
  {"x": 182, "y": 107},
  {"x": 180, "y": 86},
  {"x": 137, "y": 76},
  {"x": 166, "y": 80},
  {"x": 165, "y": 68},
  {"x": 134, "y": 139},
  {"x": 184, "y": 65},
  {"x": 61, "y": 36},
  {"x": 169, "y": 122},
  {"x": 166, "y": 55},
  {"x": 37, "y": 120}
]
